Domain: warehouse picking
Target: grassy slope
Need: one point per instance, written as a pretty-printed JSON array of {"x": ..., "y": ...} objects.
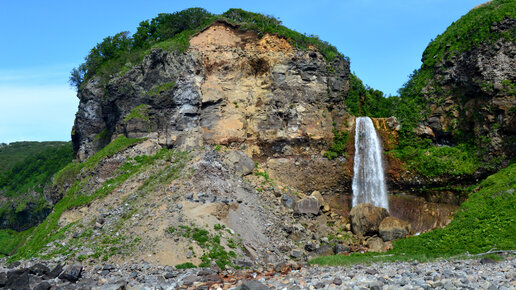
[
  {"x": 24, "y": 182},
  {"x": 16, "y": 152},
  {"x": 485, "y": 221}
]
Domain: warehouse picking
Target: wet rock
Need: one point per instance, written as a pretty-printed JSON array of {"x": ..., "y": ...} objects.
[
  {"x": 392, "y": 228},
  {"x": 308, "y": 205},
  {"x": 366, "y": 218},
  {"x": 71, "y": 273}
]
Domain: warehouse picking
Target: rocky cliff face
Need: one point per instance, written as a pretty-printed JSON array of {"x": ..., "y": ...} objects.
[
  {"x": 473, "y": 93},
  {"x": 230, "y": 87}
]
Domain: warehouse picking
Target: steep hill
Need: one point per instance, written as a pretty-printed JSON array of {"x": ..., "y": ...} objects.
[
  {"x": 15, "y": 152},
  {"x": 227, "y": 141},
  {"x": 25, "y": 198},
  {"x": 464, "y": 92}
]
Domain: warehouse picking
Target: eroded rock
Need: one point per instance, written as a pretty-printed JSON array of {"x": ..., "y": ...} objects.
[{"x": 366, "y": 218}]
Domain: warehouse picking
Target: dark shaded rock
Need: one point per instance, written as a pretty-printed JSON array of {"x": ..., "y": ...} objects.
[
  {"x": 310, "y": 247},
  {"x": 308, "y": 205},
  {"x": 252, "y": 285},
  {"x": 43, "y": 286},
  {"x": 319, "y": 285},
  {"x": 324, "y": 250},
  {"x": 487, "y": 261},
  {"x": 3, "y": 279},
  {"x": 371, "y": 271},
  {"x": 55, "y": 272},
  {"x": 366, "y": 218},
  {"x": 340, "y": 249},
  {"x": 18, "y": 279},
  {"x": 71, "y": 273},
  {"x": 337, "y": 281},
  {"x": 39, "y": 269},
  {"x": 170, "y": 275},
  {"x": 14, "y": 265}
]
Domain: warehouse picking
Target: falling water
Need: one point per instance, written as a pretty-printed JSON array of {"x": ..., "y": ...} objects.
[{"x": 368, "y": 177}]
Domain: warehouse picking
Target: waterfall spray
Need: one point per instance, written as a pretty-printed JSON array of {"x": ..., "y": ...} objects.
[{"x": 368, "y": 176}]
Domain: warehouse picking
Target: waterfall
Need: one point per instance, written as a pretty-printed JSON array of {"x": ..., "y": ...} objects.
[{"x": 368, "y": 176}]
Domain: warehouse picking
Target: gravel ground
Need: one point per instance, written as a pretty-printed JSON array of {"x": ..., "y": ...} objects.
[{"x": 446, "y": 274}]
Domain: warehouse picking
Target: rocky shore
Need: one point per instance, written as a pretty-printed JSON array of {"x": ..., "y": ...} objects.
[{"x": 481, "y": 273}]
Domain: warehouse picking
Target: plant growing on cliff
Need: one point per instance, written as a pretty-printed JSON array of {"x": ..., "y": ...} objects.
[
  {"x": 338, "y": 147},
  {"x": 172, "y": 31}
]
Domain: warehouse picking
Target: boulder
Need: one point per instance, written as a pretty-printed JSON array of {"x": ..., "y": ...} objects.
[
  {"x": 376, "y": 244},
  {"x": 242, "y": 164},
  {"x": 366, "y": 219},
  {"x": 71, "y": 273},
  {"x": 324, "y": 250},
  {"x": 18, "y": 279},
  {"x": 308, "y": 205},
  {"x": 392, "y": 228},
  {"x": 39, "y": 269},
  {"x": 251, "y": 285}
]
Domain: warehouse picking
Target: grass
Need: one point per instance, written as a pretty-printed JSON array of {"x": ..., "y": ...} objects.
[
  {"x": 485, "y": 221},
  {"x": 437, "y": 161},
  {"x": 139, "y": 112},
  {"x": 161, "y": 88},
  {"x": 214, "y": 251},
  {"x": 34, "y": 240},
  {"x": 13, "y": 153}
]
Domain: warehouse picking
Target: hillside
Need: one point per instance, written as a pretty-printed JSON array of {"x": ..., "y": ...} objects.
[
  {"x": 25, "y": 199},
  {"x": 227, "y": 142},
  {"x": 463, "y": 95},
  {"x": 15, "y": 152}
]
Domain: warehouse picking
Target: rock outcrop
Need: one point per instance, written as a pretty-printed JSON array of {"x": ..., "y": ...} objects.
[
  {"x": 366, "y": 218},
  {"x": 474, "y": 93},
  {"x": 230, "y": 87}
]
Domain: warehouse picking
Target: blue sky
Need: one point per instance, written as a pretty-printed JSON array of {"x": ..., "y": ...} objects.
[{"x": 43, "y": 40}]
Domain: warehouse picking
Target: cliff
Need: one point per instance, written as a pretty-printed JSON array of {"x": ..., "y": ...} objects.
[
  {"x": 230, "y": 87},
  {"x": 467, "y": 83}
]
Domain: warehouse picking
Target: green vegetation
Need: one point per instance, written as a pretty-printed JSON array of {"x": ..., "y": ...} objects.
[
  {"x": 436, "y": 161},
  {"x": 48, "y": 230},
  {"x": 186, "y": 265},
  {"x": 366, "y": 101},
  {"x": 21, "y": 187},
  {"x": 139, "y": 112},
  {"x": 485, "y": 221},
  {"x": 338, "y": 148},
  {"x": 172, "y": 32},
  {"x": 36, "y": 170},
  {"x": 214, "y": 251},
  {"x": 13, "y": 153},
  {"x": 161, "y": 88},
  {"x": 471, "y": 30}
]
